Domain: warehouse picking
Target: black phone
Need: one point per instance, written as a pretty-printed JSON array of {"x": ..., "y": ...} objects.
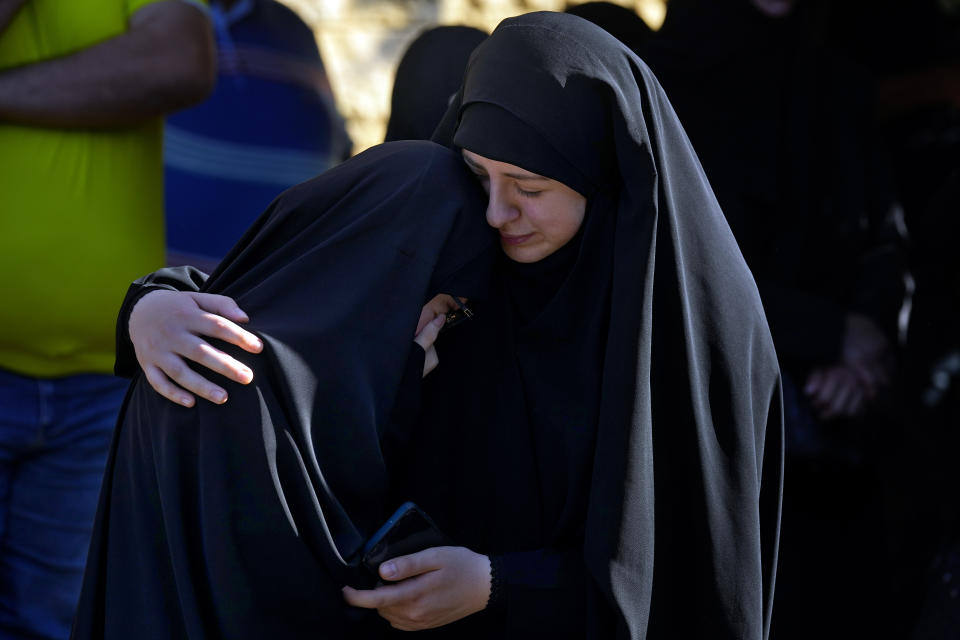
[{"x": 408, "y": 530}]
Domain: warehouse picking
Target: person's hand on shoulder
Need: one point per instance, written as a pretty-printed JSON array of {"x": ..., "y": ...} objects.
[
  {"x": 167, "y": 328},
  {"x": 428, "y": 589}
]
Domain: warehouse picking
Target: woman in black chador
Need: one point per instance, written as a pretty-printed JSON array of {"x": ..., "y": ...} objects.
[
  {"x": 603, "y": 439},
  {"x": 243, "y": 520}
]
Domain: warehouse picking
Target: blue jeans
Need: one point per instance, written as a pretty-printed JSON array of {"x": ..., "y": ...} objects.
[{"x": 54, "y": 439}]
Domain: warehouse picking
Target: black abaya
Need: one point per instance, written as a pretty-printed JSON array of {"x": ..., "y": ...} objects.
[
  {"x": 243, "y": 520},
  {"x": 628, "y": 477}
]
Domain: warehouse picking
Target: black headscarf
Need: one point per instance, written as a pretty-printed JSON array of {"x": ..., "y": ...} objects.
[
  {"x": 679, "y": 422},
  {"x": 622, "y": 23},
  {"x": 243, "y": 520},
  {"x": 428, "y": 75}
]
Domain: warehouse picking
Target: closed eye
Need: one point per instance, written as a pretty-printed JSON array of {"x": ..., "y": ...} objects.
[{"x": 528, "y": 194}]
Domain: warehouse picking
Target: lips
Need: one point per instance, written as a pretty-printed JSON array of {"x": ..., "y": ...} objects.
[{"x": 514, "y": 240}]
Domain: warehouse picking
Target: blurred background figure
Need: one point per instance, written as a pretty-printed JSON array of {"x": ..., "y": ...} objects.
[
  {"x": 83, "y": 86},
  {"x": 913, "y": 49},
  {"x": 428, "y": 75},
  {"x": 620, "y": 22},
  {"x": 785, "y": 129},
  {"x": 271, "y": 123}
]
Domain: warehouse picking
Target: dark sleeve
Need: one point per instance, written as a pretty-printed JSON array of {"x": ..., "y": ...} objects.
[
  {"x": 540, "y": 593},
  {"x": 170, "y": 279}
]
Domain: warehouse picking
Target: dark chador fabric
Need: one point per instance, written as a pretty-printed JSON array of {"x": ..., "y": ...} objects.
[
  {"x": 623, "y": 23},
  {"x": 242, "y": 520},
  {"x": 612, "y": 426}
]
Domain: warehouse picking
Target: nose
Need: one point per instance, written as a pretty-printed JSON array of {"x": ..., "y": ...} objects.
[{"x": 500, "y": 209}]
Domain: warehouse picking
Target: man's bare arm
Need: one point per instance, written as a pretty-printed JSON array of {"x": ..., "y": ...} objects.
[{"x": 164, "y": 62}]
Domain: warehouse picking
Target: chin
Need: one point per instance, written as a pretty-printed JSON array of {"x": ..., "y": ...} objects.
[{"x": 524, "y": 255}]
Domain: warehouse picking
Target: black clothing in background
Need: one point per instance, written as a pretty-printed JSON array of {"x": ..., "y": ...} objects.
[
  {"x": 913, "y": 49},
  {"x": 622, "y": 23},
  {"x": 428, "y": 75},
  {"x": 934, "y": 348},
  {"x": 242, "y": 520},
  {"x": 785, "y": 130},
  {"x": 650, "y": 370}
]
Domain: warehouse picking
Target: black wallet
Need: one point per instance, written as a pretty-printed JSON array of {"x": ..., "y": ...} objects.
[{"x": 408, "y": 530}]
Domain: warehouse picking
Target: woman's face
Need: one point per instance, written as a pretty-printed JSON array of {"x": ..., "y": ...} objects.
[{"x": 534, "y": 215}]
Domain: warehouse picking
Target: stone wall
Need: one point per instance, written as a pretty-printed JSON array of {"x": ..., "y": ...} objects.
[{"x": 361, "y": 42}]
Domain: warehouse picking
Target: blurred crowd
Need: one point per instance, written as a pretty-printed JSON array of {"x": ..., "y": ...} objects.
[{"x": 829, "y": 131}]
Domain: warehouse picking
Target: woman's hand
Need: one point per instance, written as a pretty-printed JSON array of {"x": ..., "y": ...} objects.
[
  {"x": 432, "y": 316},
  {"x": 425, "y": 338},
  {"x": 428, "y": 589},
  {"x": 167, "y": 327}
]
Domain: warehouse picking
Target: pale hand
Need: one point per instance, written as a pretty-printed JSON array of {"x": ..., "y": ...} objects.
[
  {"x": 432, "y": 316},
  {"x": 428, "y": 589},
  {"x": 425, "y": 338},
  {"x": 168, "y": 327}
]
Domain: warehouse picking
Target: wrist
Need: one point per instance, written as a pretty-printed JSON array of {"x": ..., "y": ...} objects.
[
  {"x": 495, "y": 584},
  {"x": 134, "y": 298}
]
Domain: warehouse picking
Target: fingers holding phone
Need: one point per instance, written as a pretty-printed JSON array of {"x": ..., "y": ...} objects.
[{"x": 428, "y": 589}]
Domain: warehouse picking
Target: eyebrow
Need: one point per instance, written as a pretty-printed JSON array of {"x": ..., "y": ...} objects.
[
  {"x": 526, "y": 176},
  {"x": 515, "y": 176}
]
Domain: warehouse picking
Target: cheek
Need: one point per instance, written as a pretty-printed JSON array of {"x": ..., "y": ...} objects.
[{"x": 559, "y": 223}]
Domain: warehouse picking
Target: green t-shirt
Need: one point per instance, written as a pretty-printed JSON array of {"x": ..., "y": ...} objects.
[{"x": 81, "y": 212}]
